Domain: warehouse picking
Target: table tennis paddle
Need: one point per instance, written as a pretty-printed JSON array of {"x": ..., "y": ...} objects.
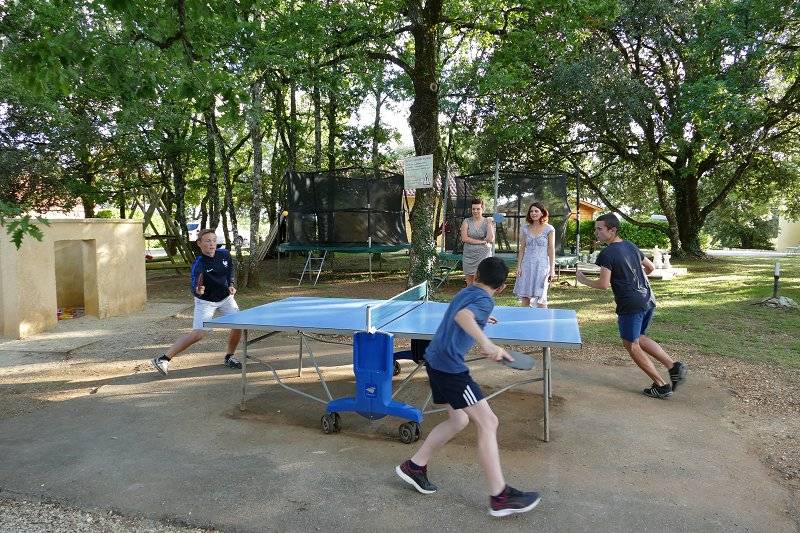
[
  {"x": 200, "y": 289},
  {"x": 522, "y": 361}
]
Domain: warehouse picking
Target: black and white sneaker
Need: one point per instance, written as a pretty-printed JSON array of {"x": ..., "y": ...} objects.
[
  {"x": 654, "y": 391},
  {"x": 677, "y": 374},
  {"x": 232, "y": 362},
  {"x": 416, "y": 477},
  {"x": 161, "y": 363},
  {"x": 512, "y": 501}
]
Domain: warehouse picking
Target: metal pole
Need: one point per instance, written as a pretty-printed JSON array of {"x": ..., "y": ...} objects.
[
  {"x": 578, "y": 214},
  {"x": 776, "y": 283},
  {"x": 243, "y": 401},
  {"x": 496, "y": 186},
  {"x": 577, "y": 223},
  {"x": 445, "y": 187}
]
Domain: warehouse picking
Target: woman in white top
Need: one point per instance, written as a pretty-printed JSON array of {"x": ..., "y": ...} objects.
[
  {"x": 536, "y": 258},
  {"x": 477, "y": 234}
]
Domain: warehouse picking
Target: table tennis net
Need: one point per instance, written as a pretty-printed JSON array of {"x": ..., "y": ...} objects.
[{"x": 381, "y": 314}]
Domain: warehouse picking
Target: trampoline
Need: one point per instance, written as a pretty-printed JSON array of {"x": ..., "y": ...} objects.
[
  {"x": 508, "y": 194},
  {"x": 351, "y": 210},
  {"x": 313, "y": 265}
]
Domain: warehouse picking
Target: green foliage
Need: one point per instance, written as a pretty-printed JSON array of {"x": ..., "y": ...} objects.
[
  {"x": 19, "y": 224},
  {"x": 661, "y": 106},
  {"x": 643, "y": 237},
  {"x": 104, "y": 213},
  {"x": 744, "y": 222}
]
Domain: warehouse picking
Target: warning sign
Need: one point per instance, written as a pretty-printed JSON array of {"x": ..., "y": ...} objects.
[{"x": 418, "y": 172}]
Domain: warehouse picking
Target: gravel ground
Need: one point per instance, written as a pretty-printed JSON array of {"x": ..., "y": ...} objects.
[
  {"x": 766, "y": 411},
  {"x": 34, "y": 516},
  {"x": 766, "y": 400}
]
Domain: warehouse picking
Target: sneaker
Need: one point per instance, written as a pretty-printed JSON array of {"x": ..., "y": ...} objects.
[
  {"x": 512, "y": 501},
  {"x": 677, "y": 374},
  {"x": 654, "y": 391},
  {"x": 161, "y": 364},
  {"x": 417, "y": 478},
  {"x": 232, "y": 362}
]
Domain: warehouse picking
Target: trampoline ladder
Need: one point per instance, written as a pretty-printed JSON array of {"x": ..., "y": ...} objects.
[{"x": 313, "y": 266}]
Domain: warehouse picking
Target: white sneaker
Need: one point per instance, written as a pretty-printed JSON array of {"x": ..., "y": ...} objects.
[{"x": 162, "y": 365}]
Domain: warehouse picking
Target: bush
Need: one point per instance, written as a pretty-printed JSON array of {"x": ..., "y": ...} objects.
[
  {"x": 105, "y": 213},
  {"x": 640, "y": 236},
  {"x": 644, "y": 237}
]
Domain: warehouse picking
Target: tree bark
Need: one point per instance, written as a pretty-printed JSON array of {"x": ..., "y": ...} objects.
[
  {"x": 254, "y": 124},
  {"x": 424, "y": 122},
  {"x": 332, "y": 130},
  {"x": 316, "y": 97},
  {"x": 212, "y": 188},
  {"x": 376, "y": 125},
  {"x": 292, "y": 125}
]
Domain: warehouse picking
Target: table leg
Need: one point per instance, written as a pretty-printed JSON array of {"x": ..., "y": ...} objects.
[
  {"x": 242, "y": 405},
  {"x": 300, "y": 356},
  {"x": 546, "y": 391}
]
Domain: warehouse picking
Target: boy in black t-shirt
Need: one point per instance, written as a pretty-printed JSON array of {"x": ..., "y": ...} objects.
[{"x": 624, "y": 268}]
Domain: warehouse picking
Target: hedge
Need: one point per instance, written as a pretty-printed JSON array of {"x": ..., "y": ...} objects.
[{"x": 642, "y": 237}]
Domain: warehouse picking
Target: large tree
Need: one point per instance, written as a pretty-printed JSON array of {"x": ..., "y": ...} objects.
[{"x": 672, "y": 103}]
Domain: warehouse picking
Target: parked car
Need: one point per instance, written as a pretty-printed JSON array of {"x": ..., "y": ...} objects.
[{"x": 193, "y": 229}]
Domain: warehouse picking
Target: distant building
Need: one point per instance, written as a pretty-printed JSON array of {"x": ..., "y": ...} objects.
[
  {"x": 788, "y": 234},
  {"x": 587, "y": 210}
]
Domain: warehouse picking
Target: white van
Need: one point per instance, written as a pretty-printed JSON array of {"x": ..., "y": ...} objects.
[{"x": 193, "y": 229}]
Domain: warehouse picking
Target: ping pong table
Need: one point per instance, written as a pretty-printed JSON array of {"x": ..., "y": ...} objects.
[{"x": 409, "y": 315}]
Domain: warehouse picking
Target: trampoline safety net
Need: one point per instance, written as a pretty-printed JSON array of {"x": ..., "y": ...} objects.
[
  {"x": 516, "y": 191},
  {"x": 345, "y": 206}
]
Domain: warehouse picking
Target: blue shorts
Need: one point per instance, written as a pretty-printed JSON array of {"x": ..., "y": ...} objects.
[
  {"x": 458, "y": 390},
  {"x": 632, "y": 326}
]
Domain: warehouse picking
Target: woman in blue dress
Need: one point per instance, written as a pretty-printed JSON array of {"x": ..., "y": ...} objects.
[{"x": 536, "y": 258}]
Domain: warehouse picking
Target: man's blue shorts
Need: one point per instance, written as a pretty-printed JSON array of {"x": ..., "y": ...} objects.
[{"x": 633, "y": 325}]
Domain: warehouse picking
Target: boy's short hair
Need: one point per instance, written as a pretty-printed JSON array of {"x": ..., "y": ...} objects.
[
  {"x": 203, "y": 232},
  {"x": 610, "y": 220},
  {"x": 493, "y": 272}
]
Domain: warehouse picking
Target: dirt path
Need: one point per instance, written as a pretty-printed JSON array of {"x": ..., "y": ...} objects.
[{"x": 84, "y": 355}]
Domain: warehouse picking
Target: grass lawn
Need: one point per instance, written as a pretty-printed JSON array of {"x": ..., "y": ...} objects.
[{"x": 711, "y": 311}]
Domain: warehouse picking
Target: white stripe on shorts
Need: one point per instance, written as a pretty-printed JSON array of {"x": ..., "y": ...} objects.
[{"x": 469, "y": 396}]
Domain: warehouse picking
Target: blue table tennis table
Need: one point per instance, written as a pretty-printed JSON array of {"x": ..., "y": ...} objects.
[{"x": 409, "y": 315}]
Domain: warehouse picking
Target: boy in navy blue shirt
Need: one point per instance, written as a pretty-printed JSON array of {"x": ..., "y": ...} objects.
[
  {"x": 213, "y": 285},
  {"x": 624, "y": 268},
  {"x": 461, "y": 327}
]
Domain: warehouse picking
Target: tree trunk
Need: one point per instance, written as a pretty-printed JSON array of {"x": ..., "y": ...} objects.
[
  {"x": 212, "y": 189},
  {"x": 254, "y": 124},
  {"x": 292, "y": 125},
  {"x": 424, "y": 122},
  {"x": 376, "y": 125},
  {"x": 668, "y": 210},
  {"x": 316, "y": 97},
  {"x": 332, "y": 112},
  {"x": 687, "y": 216}
]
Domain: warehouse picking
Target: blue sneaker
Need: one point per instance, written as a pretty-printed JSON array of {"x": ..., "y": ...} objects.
[
  {"x": 416, "y": 477},
  {"x": 512, "y": 501}
]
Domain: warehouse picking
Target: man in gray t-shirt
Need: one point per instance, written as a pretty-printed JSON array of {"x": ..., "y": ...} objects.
[{"x": 624, "y": 268}]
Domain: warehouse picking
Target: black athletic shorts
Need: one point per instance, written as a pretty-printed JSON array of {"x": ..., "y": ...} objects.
[{"x": 458, "y": 390}]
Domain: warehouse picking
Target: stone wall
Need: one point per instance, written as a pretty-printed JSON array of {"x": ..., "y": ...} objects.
[{"x": 94, "y": 263}]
